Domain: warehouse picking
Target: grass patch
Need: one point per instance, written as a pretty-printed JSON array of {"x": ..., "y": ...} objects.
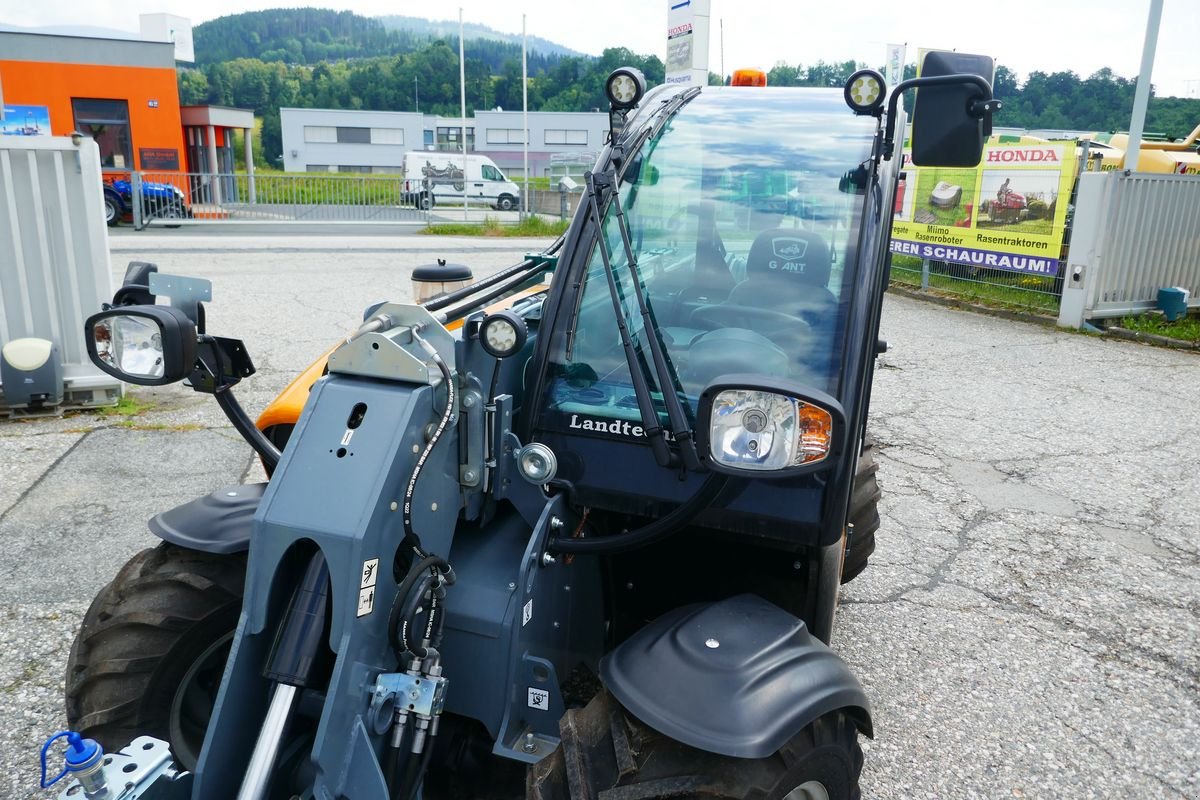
[
  {"x": 530, "y": 226},
  {"x": 1185, "y": 329},
  {"x": 1012, "y": 291},
  {"x": 127, "y": 406}
]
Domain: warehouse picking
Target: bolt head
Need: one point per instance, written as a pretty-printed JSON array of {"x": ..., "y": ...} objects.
[
  {"x": 511, "y": 585},
  {"x": 712, "y": 644},
  {"x": 548, "y": 560}
]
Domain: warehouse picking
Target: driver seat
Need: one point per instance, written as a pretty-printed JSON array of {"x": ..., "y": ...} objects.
[{"x": 788, "y": 270}]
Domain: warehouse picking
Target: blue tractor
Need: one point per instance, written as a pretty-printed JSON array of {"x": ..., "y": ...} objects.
[{"x": 159, "y": 201}]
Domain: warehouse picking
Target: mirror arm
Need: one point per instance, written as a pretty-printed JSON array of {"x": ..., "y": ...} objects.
[
  {"x": 979, "y": 107},
  {"x": 245, "y": 426}
]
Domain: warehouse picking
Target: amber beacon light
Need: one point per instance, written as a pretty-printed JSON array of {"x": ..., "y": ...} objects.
[{"x": 749, "y": 77}]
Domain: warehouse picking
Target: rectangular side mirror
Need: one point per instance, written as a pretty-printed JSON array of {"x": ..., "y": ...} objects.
[{"x": 948, "y": 131}]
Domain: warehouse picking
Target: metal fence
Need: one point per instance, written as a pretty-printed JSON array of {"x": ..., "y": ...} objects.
[
  {"x": 1142, "y": 234},
  {"x": 1035, "y": 293},
  {"x": 173, "y": 198}
]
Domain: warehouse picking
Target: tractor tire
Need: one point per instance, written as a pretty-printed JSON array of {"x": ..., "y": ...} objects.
[
  {"x": 864, "y": 513},
  {"x": 607, "y": 753},
  {"x": 149, "y": 657},
  {"x": 112, "y": 210}
]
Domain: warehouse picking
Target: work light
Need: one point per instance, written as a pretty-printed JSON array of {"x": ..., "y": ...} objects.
[
  {"x": 502, "y": 334},
  {"x": 147, "y": 345},
  {"x": 746, "y": 425},
  {"x": 625, "y": 87},
  {"x": 865, "y": 91}
]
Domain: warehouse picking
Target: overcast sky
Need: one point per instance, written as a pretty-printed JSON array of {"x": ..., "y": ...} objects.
[{"x": 1025, "y": 35}]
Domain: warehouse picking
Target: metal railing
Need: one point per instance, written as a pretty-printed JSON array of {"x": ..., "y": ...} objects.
[
  {"x": 1138, "y": 233},
  {"x": 1018, "y": 290},
  {"x": 174, "y": 198}
]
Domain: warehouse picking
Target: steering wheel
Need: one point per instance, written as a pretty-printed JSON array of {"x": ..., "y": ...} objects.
[{"x": 777, "y": 326}]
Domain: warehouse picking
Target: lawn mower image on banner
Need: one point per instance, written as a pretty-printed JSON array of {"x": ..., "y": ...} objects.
[{"x": 572, "y": 540}]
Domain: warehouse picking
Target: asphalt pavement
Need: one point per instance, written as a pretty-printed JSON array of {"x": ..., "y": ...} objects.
[{"x": 1028, "y": 627}]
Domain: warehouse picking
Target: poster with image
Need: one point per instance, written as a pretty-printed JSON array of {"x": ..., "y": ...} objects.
[
  {"x": 1008, "y": 213},
  {"x": 25, "y": 121}
]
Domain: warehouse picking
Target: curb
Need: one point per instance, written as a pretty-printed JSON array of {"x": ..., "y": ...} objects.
[
  {"x": 1115, "y": 332},
  {"x": 1152, "y": 338}
]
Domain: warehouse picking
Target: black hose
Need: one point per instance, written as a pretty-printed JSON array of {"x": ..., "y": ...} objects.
[
  {"x": 414, "y": 772},
  {"x": 418, "y": 570},
  {"x": 410, "y": 536},
  {"x": 441, "y": 301},
  {"x": 650, "y": 533},
  {"x": 514, "y": 284}
]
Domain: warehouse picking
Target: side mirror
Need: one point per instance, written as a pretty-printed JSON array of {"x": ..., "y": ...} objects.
[
  {"x": 952, "y": 119},
  {"x": 146, "y": 345}
]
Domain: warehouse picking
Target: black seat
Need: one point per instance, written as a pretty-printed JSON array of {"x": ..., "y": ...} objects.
[{"x": 787, "y": 271}]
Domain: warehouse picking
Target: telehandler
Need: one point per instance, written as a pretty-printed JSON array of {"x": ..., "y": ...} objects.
[{"x": 574, "y": 540}]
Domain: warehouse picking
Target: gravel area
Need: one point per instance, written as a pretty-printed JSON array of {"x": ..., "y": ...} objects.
[{"x": 1028, "y": 627}]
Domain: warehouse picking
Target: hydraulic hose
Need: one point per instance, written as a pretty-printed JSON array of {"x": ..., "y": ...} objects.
[
  {"x": 245, "y": 426},
  {"x": 440, "y": 302},
  {"x": 650, "y": 533}
]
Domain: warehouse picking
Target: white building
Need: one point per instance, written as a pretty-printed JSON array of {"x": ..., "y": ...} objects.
[{"x": 335, "y": 140}]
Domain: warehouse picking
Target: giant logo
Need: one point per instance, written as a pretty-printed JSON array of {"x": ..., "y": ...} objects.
[{"x": 789, "y": 255}]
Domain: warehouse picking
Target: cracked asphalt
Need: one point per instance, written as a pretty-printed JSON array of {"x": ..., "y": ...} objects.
[{"x": 1028, "y": 627}]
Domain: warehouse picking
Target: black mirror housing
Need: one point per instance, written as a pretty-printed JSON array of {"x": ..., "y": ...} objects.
[
  {"x": 952, "y": 120},
  {"x": 147, "y": 344}
]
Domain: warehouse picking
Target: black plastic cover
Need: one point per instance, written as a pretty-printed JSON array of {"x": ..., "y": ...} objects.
[
  {"x": 739, "y": 677},
  {"x": 216, "y": 523}
]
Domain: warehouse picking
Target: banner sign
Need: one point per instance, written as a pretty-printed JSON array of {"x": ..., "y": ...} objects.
[
  {"x": 25, "y": 120},
  {"x": 687, "y": 42},
  {"x": 894, "y": 66},
  {"x": 1008, "y": 213},
  {"x": 159, "y": 159}
]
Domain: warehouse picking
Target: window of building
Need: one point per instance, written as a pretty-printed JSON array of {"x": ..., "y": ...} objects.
[
  {"x": 386, "y": 170},
  {"x": 106, "y": 121},
  {"x": 353, "y": 168},
  {"x": 505, "y": 136},
  {"x": 566, "y": 137},
  {"x": 428, "y": 140},
  {"x": 320, "y": 133},
  {"x": 448, "y": 138},
  {"x": 319, "y": 168},
  {"x": 353, "y": 135},
  {"x": 387, "y": 135}
]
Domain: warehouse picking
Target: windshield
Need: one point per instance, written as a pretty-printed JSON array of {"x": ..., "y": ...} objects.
[{"x": 742, "y": 227}]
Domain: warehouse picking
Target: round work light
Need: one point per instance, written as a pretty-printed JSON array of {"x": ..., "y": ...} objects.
[
  {"x": 625, "y": 87},
  {"x": 865, "y": 91},
  {"x": 503, "y": 334}
]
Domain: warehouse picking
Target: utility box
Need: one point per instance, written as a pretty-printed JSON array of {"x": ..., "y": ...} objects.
[
  {"x": 32, "y": 375},
  {"x": 54, "y": 263},
  {"x": 1173, "y": 302}
]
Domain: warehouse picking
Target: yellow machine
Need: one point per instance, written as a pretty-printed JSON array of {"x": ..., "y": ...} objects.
[{"x": 1179, "y": 158}]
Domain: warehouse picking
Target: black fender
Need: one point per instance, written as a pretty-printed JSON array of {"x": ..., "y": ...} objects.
[
  {"x": 218, "y": 523},
  {"x": 739, "y": 677}
]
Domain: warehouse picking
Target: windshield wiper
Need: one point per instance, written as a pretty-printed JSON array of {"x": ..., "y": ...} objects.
[{"x": 678, "y": 418}]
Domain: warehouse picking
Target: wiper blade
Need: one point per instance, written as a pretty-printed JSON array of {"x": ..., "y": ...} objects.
[{"x": 681, "y": 428}]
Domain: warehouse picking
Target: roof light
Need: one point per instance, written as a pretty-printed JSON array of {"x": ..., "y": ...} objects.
[
  {"x": 625, "y": 87},
  {"x": 748, "y": 77},
  {"x": 865, "y": 92}
]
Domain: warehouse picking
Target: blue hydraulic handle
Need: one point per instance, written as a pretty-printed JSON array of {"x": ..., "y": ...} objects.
[{"x": 81, "y": 754}]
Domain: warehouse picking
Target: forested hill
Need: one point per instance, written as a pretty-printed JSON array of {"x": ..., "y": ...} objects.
[
  {"x": 315, "y": 58},
  {"x": 448, "y": 29},
  {"x": 313, "y": 35}
]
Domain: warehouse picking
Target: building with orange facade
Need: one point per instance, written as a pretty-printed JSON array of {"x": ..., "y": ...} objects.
[{"x": 124, "y": 94}]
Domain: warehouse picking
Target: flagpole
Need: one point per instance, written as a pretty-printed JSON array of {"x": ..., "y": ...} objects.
[
  {"x": 462, "y": 131},
  {"x": 525, "y": 116}
]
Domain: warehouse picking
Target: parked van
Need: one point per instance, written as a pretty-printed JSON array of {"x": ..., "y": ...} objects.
[{"x": 433, "y": 178}]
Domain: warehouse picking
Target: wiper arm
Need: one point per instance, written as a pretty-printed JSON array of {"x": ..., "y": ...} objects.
[
  {"x": 668, "y": 380},
  {"x": 677, "y": 417},
  {"x": 641, "y": 391}
]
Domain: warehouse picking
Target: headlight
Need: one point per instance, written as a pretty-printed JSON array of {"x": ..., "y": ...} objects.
[
  {"x": 748, "y": 426},
  {"x": 865, "y": 91},
  {"x": 625, "y": 87},
  {"x": 147, "y": 345},
  {"x": 503, "y": 334}
]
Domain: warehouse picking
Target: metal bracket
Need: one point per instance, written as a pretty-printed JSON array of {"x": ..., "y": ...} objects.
[
  {"x": 185, "y": 293},
  {"x": 129, "y": 773},
  {"x": 418, "y": 694},
  {"x": 393, "y": 353}
]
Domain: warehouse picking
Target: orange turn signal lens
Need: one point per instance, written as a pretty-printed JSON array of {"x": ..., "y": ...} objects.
[{"x": 816, "y": 433}]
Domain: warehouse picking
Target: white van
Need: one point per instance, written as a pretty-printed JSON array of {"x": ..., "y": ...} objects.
[{"x": 432, "y": 178}]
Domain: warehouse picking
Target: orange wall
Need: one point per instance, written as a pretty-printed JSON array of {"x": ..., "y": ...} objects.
[{"x": 38, "y": 83}]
